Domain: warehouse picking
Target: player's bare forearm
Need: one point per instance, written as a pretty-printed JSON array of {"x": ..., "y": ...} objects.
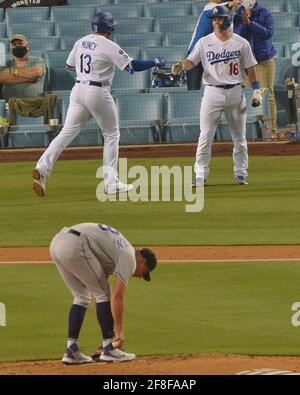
[
  {"x": 187, "y": 65},
  {"x": 252, "y": 74}
]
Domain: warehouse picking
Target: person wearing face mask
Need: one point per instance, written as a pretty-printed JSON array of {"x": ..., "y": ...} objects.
[
  {"x": 23, "y": 76},
  {"x": 256, "y": 24}
]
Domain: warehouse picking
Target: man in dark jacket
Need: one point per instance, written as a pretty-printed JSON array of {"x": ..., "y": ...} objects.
[{"x": 256, "y": 24}]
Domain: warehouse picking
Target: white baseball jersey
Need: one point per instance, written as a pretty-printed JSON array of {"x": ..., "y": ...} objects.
[
  {"x": 224, "y": 63},
  {"x": 95, "y": 57}
]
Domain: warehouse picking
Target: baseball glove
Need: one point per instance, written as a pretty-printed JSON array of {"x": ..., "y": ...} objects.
[{"x": 177, "y": 68}]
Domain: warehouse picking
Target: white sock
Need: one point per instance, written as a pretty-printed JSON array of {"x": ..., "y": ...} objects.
[
  {"x": 70, "y": 342},
  {"x": 106, "y": 342}
]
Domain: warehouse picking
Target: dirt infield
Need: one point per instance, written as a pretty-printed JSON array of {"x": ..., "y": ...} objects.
[
  {"x": 186, "y": 365},
  {"x": 173, "y": 365},
  {"x": 173, "y": 253},
  {"x": 153, "y": 151}
]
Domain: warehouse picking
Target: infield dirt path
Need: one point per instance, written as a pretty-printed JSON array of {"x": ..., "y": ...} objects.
[{"x": 173, "y": 253}]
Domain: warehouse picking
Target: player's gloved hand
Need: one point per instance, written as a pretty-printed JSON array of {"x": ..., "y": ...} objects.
[
  {"x": 177, "y": 68},
  {"x": 256, "y": 98},
  {"x": 160, "y": 61}
]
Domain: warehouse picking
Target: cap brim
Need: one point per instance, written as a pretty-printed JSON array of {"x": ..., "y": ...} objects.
[{"x": 147, "y": 276}]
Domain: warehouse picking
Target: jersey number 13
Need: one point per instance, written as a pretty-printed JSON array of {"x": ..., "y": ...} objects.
[{"x": 85, "y": 63}]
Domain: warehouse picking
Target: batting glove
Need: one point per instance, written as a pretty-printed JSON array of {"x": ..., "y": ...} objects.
[
  {"x": 256, "y": 98},
  {"x": 160, "y": 61}
]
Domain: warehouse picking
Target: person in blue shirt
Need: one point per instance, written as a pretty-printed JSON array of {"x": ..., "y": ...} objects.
[
  {"x": 203, "y": 28},
  {"x": 256, "y": 24}
]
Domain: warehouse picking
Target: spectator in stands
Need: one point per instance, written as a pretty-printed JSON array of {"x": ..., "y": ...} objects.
[
  {"x": 256, "y": 23},
  {"x": 24, "y": 75},
  {"x": 203, "y": 28}
]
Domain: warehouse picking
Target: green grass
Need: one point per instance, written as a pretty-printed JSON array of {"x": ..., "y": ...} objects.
[
  {"x": 267, "y": 211},
  {"x": 207, "y": 308}
]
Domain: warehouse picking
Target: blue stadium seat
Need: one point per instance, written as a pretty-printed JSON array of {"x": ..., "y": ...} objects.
[
  {"x": 136, "y": 1},
  {"x": 140, "y": 40},
  {"x": 2, "y": 108},
  {"x": 44, "y": 43},
  {"x": 68, "y": 42},
  {"x": 198, "y": 7},
  {"x": 284, "y": 70},
  {"x": 93, "y": 2},
  {"x": 3, "y": 30},
  {"x": 89, "y": 135},
  {"x": 1, "y": 14},
  {"x": 65, "y": 99},
  {"x": 133, "y": 52},
  {"x": 281, "y": 49},
  {"x": 223, "y": 131},
  {"x": 136, "y": 25},
  {"x": 25, "y": 136},
  {"x": 124, "y": 11},
  {"x": 56, "y": 58},
  {"x": 175, "y": 25},
  {"x": 287, "y": 35},
  {"x": 73, "y": 13},
  {"x": 275, "y": 6},
  {"x": 178, "y": 39},
  {"x": 23, "y": 14},
  {"x": 78, "y": 29},
  {"x": 6, "y": 43},
  {"x": 293, "y": 5},
  {"x": 160, "y": 10},
  {"x": 32, "y": 30},
  {"x": 172, "y": 54},
  {"x": 183, "y": 116},
  {"x": 286, "y": 20},
  {"x": 123, "y": 81},
  {"x": 60, "y": 78},
  {"x": 138, "y": 113},
  {"x": 293, "y": 49}
]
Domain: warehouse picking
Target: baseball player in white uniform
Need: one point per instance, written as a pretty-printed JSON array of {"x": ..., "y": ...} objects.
[
  {"x": 225, "y": 57},
  {"x": 85, "y": 256},
  {"x": 93, "y": 58}
]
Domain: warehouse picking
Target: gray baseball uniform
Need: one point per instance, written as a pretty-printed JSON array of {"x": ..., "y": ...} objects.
[{"x": 86, "y": 255}]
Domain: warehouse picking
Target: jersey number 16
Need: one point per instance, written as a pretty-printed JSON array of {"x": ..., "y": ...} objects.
[
  {"x": 85, "y": 63},
  {"x": 234, "y": 68}
]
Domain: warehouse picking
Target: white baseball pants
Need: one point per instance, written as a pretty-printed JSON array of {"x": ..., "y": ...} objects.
[
  {"x": 233, "y": 103},
  {"x": 85, "y": 102}
]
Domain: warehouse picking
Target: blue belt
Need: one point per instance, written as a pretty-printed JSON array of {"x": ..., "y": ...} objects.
[
  {"x": 225, "y": 86},
  {"x": 93, "y": 83}
]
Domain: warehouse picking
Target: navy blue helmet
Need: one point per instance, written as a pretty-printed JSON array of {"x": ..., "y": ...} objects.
[
  {"x": 103, "y": 22},
  {"x": 220, "y": 11}
]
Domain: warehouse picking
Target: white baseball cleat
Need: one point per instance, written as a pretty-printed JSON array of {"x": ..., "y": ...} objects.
[
  {"x": 241, "y": 180},
  {"x": 39, "y": 182},
  {"x": 73, "y": 356},
  {"x": 118, "y": 187},
  {"x": 116, "y": 355}
]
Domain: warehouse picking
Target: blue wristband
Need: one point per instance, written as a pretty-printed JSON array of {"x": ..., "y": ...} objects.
[{"x": 255, "y": 85}]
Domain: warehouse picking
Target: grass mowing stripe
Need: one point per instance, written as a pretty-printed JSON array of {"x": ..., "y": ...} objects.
[
  {"x": 267, "y": 211},
  {"x": 210, "y": 308}
]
